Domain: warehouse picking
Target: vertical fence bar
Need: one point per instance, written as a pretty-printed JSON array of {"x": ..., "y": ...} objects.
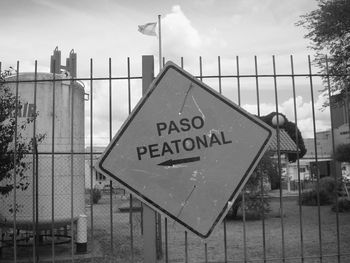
[
  {"x": 260, "y": 172},
  {"x": 316, "y": 160},
  {"x": 159, "y": 239},
  {"x": 279, "y": 156},
  {"x": 131, "y": 222},
  {"x": 243, "y": 190},
  {"x": 159, "y": 236},
  {"x": 72, "y": 165},
  {"x": 53, "y": 164},
  {"x": 238, "y": 81},
  {"x": 34, "y": 188},
  {"x": 159, "y": 231},
  {"x": 186, "y": 248},
  {"x": 91, "y": 158},
  {"x": 110, "y": 96},
  {"x": 129, "y": 86},
  {"x": 334, "y": 164},
  {"x": 244, "y": 227},
  {"x": 110, "y": 138},
  {"x": 14, "y": 169},
  {"x": 200, "y": 69},
  {"x": 224, "y": 221},
  {"x": 36, "y": 199},
  {"x": 298, "y": 162},
  {"x": 201, "y": 78},
  {"x": 166, "y": 239},
  {"x": 186, "y": 243},
  {"x": 219, "y": 76},
  {"x": 130, "y": 196},
  {"x": 257, "y": 84},
  {"x": 225, "y": 240}
]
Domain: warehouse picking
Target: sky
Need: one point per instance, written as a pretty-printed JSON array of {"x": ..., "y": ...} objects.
[{"x": 99, "y": 30}]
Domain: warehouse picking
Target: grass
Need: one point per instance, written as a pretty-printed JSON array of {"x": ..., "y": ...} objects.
[{"x": 244, "y": 241}]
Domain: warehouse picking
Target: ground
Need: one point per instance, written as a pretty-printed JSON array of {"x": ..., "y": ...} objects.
[
  {"x": 237, "y": 250},
  {"x": 244, "y": 241}
]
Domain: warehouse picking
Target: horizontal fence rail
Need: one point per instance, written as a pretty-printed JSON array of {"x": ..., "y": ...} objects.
[{"x": 61, "y": 209}]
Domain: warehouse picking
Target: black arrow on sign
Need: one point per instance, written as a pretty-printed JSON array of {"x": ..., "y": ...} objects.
[{"x": 172, "y": 162}]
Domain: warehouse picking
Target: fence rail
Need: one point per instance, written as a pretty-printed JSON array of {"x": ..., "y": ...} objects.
[{"x": 44, "y": 221}]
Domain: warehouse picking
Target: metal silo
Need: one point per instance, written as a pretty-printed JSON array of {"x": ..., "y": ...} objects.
[{"x": 55, "y": 179}]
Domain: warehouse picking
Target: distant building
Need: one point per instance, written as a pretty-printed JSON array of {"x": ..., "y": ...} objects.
[
  {"x": 340, "y": 109},
  {"x": 341, "y": 134},
  {"x": 324, "y": 144},
  {"x": 96, "y": 180}
]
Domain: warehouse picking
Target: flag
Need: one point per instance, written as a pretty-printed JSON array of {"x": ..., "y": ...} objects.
[{"x": 148, "y": 29}]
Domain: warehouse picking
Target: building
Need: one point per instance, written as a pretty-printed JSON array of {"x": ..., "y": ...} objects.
[
  {"x": 96, "y": 180},
  {"x": 324, "y": 144}
]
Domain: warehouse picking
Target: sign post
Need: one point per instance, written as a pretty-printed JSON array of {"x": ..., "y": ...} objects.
[
  {"x": 186, "y": 150},
  {"x": 148, "y": 214}
]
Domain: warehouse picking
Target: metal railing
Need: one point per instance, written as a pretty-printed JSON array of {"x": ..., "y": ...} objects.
[{"x": 293, "y": 233}]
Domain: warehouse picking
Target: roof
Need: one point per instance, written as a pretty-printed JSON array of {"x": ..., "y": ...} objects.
[{"x": 287, "y": 145}]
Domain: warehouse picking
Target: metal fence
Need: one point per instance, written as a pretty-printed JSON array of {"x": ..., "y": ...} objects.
[{"x": 290, "y": 232}]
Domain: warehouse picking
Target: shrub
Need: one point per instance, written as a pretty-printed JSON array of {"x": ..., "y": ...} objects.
[
  {"x": 310, "y": 198},
  {"x": 329, "y": 185},
  {"x": 96, "y": 195},
  {"x": 256, "y": 199},
  {"x": 343, "y": 205},
  {"x": 328, "y": 189},
  {"x": 254, "y": 206},
  {"x": 342, "y": 153}
]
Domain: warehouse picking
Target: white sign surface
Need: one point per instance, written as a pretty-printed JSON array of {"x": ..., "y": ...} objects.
[{"x": 186, "y": 150}]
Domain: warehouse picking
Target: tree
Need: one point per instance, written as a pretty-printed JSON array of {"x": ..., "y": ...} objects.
[
  {"x": 10, "y": 165},
  {"x": 329, "y": 32}
]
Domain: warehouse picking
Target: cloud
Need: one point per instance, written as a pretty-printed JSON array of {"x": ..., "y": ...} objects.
[
  {"x": 179, "y": 36},
  {"x": 304, "y": 113},
  {"x": 101, "y": 111}
]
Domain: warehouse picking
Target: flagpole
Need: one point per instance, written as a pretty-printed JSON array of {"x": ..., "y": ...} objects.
[{"x": 160, "y": 43}]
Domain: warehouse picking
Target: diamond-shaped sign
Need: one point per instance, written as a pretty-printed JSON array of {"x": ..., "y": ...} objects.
[{"x": 186, "y": 150}]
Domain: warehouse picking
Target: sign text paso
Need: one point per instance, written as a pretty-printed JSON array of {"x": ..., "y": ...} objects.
[{"x": 181, "y": 145}]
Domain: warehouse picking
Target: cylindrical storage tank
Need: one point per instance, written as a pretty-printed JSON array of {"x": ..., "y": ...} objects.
[{"x": 55, "y": 179}]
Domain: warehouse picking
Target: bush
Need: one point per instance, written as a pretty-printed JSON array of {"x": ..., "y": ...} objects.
[
  {"x": 329, "y": 185},
  {"x": 255, "y": 206},
  {"x": 96, "y": 195},
  {"x": 310, "y": 198},
  {"x": 328, "y": 189},
  {"x": 342, "y": 153},
  {"x": 256, "y": 199},
  {"x": 343, "y": 205}
]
